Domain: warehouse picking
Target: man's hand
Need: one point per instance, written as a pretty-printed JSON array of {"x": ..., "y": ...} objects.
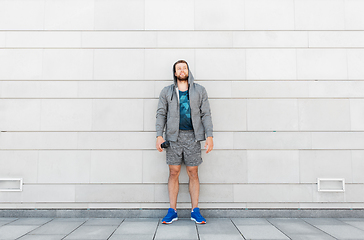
[
  {"x": 160, "y": 140},
  {"x": 209, "y": 144}
]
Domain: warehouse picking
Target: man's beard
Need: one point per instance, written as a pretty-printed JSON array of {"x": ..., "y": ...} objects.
[{"x": 185, "y": 78}]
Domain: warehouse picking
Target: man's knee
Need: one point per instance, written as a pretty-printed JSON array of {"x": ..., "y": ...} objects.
[
  {"x": 174, "y": 171},
  {"x": 192, "y": 172}
]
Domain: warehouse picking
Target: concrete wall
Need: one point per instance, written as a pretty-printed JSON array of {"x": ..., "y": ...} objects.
[{"x": 80, "y": 79}]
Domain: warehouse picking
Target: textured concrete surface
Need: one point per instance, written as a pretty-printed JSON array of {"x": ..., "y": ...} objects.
[
  {"x": 152, "y": 229},
  {"x": 183, "y": 213}
]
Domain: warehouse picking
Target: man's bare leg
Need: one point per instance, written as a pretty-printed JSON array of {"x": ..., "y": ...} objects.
[
  {"x": 173, "y": 185},
  {"x": 194, "y": 185}
]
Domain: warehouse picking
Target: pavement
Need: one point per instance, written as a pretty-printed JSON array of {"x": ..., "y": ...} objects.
[{"x": 183, "y": 229}]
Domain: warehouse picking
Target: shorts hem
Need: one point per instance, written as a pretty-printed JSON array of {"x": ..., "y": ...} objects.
[
  {"x": 176, "y": 164},
  {"x": 193, "y": 165},
  {"x": 188, "y": 165}
]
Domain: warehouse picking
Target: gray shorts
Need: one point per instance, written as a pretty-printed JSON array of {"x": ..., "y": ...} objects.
[{"x": 185, "y": 149}]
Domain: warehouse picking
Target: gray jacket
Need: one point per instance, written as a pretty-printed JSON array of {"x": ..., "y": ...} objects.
[{"x": 168, "y": 111}]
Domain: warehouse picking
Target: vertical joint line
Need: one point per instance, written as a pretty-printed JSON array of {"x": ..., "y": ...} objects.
[
  {"x": 278, "y": 229},
  {"x": 156, "y": 229},
  {"x": 237, "y": 228},
  {"x": 115, "y": 229},
  {"x": 318, "y": 229}
]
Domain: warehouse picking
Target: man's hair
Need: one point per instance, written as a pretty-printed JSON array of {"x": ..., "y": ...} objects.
[{"x": 179, "y": 61}]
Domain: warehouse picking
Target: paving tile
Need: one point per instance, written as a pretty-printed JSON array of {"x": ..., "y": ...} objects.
[
  {"x": 141, "y": 220},
  {"x": 323, "y": 221},
  {"x": 57, "y": 227},
  {"x": 131, "y": 237},
  {"x": 357, "y": 222},
  {"x": 137, "y": 227},
  {"x": 7, "y": 219},
  {"x": 299, "y": 229},
  {"x": 181, "y": 229},
  {"x": 104, "y": 221},
  {"x": 70, "y": 219},
  {"x": 13, "y": 232},
  {"x": 217, "y": 226},
  {"x": 220, "y": 237},
  {"x": 4, "y": 221},
  {"x": 31, "y": 221},
  {"x": 261, "y": 232},
  {"x": 218, "y": 229},
  {"x": 250, "y": 221},
  {"x": 336, "y": 228},
  {"x": 310, "y": 237},
  {"x": 258, "y": 229},
  {"x": 42, "y": 237},
  {"x": 350, "y": 219},
  {"x": 92, "y": 232},
  {"x": 294, "y": 226}
]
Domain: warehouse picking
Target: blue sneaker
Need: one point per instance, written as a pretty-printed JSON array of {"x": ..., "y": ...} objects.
[
  {"x": 196, "y": 216},
  {"x": 170, "y": 217}
]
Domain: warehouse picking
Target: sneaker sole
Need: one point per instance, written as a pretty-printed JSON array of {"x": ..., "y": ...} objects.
[
  {"x": 174, "y": 219},
  {"x": 203, "y": 222}
]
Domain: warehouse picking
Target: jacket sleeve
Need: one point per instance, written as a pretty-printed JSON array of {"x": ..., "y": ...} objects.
[
  {"x": 161, "y": 116},
  {"x": 206, "y": 114}
]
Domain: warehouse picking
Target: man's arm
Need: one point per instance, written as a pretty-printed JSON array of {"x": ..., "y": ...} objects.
[
  {"x": 209, "y": 144},
  {"x": 160, "y": 140},
  {"x": 207, "y": 121},
  {"x": 161, "y": 118}
]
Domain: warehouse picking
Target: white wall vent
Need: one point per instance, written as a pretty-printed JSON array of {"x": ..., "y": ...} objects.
[
  {"x": 331, "y": 184},
  {"x": 11, "y": 184}
]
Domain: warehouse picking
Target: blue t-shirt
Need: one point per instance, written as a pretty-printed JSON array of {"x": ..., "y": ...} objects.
[{"x": 185, "y": 122}]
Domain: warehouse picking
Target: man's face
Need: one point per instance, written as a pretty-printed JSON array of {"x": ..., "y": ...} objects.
[{"x": 181, "y": 71}]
